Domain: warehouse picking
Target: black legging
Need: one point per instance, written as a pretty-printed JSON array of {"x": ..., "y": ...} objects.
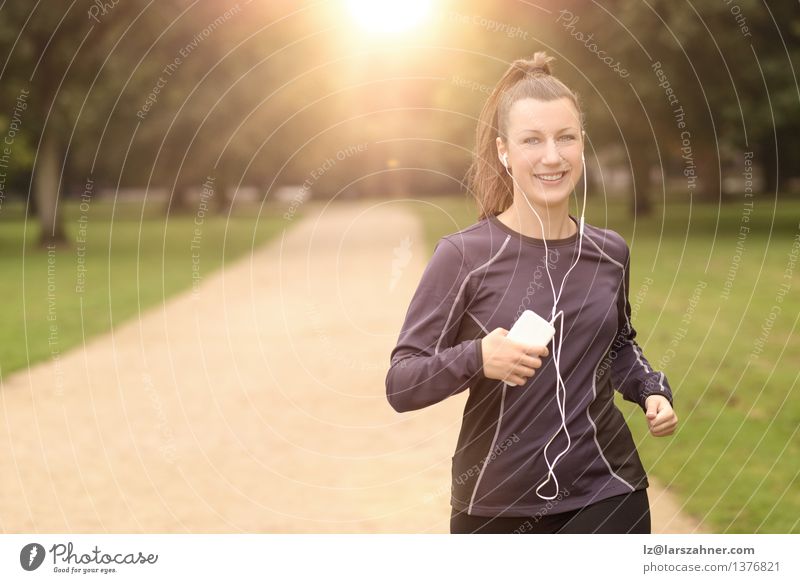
[{"x": 626, "y": 513}]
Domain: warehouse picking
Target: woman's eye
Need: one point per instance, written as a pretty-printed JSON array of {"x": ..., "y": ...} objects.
[{"x": 566, "y": 138}]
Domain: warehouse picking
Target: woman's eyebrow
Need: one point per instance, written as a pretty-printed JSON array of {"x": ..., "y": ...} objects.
[{"x": 539, "y": 131}]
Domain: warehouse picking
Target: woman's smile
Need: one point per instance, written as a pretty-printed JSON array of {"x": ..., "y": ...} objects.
[{"x": 551, "y": 178}]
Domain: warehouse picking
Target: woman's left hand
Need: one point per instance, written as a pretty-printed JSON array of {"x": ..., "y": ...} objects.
[{"x": 660, "y": 416}]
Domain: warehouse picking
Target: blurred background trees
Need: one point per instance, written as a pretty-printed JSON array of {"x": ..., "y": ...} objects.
[{"x": 259, "y": 95}]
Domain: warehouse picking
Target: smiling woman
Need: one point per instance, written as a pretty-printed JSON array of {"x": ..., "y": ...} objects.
[
  {"x": 539, "y": 405},
  {"x": 389, "y": 16}
]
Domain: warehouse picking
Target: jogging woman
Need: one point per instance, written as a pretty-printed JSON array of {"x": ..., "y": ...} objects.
[{"x": 542, "y": 448}]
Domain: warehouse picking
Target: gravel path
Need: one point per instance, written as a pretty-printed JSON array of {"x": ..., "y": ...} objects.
[{"x": 255, "y": 404}]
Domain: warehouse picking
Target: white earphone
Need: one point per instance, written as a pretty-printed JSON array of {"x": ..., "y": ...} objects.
[{"x": 554, "y": 314}]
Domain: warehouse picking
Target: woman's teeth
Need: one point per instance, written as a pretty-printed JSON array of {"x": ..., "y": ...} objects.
[{"x": 551, "y": 177}]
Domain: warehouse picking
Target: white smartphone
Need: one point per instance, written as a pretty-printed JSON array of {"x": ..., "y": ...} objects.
[{"x": 531, "y": 328}]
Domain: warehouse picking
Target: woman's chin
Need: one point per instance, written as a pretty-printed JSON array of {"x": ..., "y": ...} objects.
[
  {"x": 556, "y": 193},
  {"x": 548, "y": 197}
]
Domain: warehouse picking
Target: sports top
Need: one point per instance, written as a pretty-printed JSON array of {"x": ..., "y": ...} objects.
[{"x": 484, "y": 277}]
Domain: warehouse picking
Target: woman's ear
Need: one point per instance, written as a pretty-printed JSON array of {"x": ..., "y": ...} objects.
[{"x": 501, "y": 152}]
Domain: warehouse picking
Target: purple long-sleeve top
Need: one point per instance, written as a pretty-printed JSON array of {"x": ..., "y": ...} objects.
[{"x": 484, "y": 277}]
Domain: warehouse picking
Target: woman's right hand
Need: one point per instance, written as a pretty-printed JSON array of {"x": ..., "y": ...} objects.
[{"x": 508, "y": 360}]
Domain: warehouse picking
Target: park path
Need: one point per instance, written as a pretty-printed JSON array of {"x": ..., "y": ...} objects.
[{"x": 253, "y": 404}]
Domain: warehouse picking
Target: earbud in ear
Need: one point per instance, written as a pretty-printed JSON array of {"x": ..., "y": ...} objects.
[
  {"x": 583, "y": 156},
  {"x": 504, "y": 159}
]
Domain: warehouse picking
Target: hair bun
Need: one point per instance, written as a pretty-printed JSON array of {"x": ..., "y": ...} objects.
[{"x": 538, "y": 65}]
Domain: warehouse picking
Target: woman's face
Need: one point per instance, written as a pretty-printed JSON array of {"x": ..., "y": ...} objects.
[{"x": 544, "y": 149}]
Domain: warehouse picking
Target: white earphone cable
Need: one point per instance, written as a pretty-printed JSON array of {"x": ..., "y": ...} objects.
[{"x": 561, "y": 403}]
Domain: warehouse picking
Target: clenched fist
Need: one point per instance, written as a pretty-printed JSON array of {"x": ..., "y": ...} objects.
[{"x": 661, "y": 419}]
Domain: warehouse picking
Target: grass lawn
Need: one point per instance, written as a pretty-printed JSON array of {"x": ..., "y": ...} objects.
[
  {"x": 133, "y": 260},
  {"x": 734, "y": 370}
]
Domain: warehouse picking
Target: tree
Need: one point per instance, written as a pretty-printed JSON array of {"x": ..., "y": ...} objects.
[
  {"x": 710, "y": 59},
  {"x": 59, "y": 53}
]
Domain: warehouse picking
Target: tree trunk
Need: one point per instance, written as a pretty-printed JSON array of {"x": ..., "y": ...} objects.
[
  {"x": 45, "y": 190},
  {"x": 178, "y": 204},
  {"x": 32, "y": 207},
  {"x": 640, "y": 166},
  {"x": 709, "y": 179},
  {"x": 766, "y": 157},
  {"x": 224, "y": 201}
]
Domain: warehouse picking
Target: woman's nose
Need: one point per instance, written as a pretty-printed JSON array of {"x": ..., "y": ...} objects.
[{"x": 551, "y": 153}]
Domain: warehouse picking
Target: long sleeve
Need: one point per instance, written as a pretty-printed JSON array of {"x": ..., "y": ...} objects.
[
  {"x": 426, "y": 367},
  {"x": 631, "y": 373}
]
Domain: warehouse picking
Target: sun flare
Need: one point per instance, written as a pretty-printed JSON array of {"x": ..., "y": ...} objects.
[{"x": 389, "y": 16}]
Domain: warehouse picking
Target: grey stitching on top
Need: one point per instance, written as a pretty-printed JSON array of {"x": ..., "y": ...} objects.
[
  {"x": 463, "y": 287},
  {"x": 594, "y": 427},
  {"x": 491, "y": 448},
  {"x": 606, "y": 255},
  {"x": 478, "y": 322},
  {"x": 635, "y": 347}
]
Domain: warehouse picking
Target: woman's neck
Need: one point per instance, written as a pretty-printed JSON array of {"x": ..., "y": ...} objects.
[{"x": 556, "y": 222}]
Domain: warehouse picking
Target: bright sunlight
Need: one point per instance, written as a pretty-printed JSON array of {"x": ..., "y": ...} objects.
[{"x": 389, "y": 16}]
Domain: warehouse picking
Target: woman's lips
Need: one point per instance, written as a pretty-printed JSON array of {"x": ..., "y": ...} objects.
[{"x": 552, "y": 177}]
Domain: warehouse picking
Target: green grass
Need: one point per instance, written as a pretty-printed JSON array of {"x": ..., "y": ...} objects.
[
  {"x": 133, "y": 260},
  {"x": 733, "y": 459}
]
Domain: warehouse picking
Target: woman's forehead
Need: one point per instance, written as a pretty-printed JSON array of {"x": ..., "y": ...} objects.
[{"x": 535, "y": 114}]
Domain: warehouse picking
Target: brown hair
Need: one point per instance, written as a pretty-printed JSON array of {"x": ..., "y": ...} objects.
[{"x": 487, "y": 179}]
